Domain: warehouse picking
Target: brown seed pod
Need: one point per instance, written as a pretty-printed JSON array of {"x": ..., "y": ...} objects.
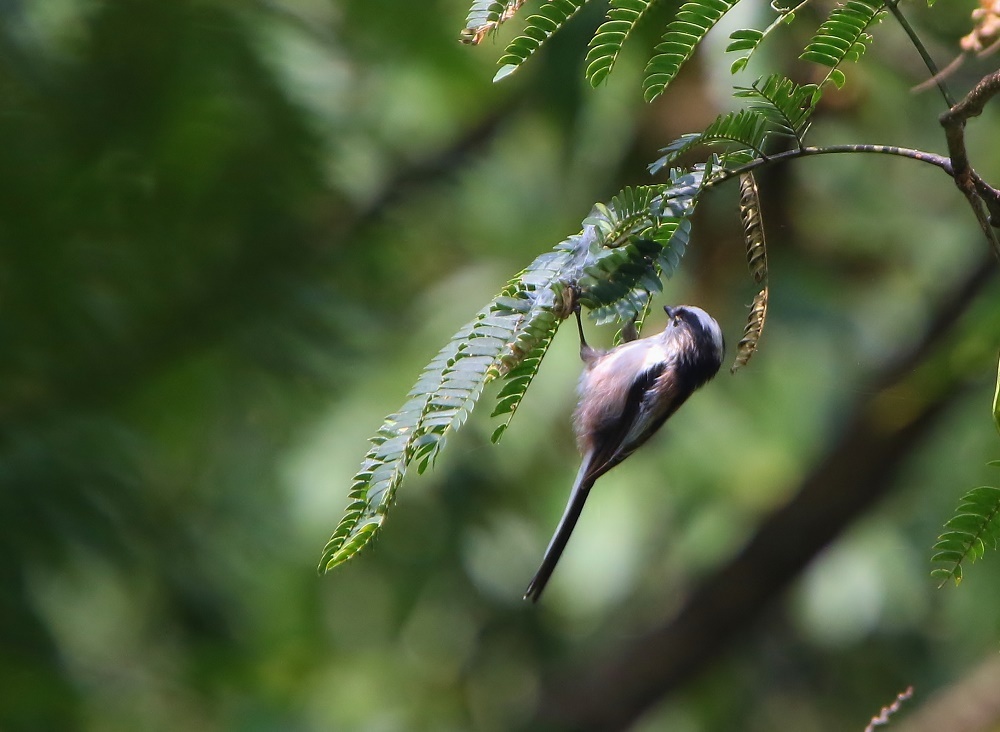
[
  {"x": 753, "y": 228},
  {"x": 752, "y": 331}
]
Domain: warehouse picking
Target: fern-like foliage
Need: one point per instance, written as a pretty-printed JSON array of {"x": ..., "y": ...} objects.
[
  {"x": 843, "y": 37},
  {"x": 604, "y": 47},
  {"x": 745, "y": 130},
  {"x": 787, "y": 106},
  {"x": 654, "y": 221},
  {"x": 748, "y": 39},
  {"x": 440, "y": 401},
  {"x": 522, "y": 356},
  {"x": 551, "y": 17},
  {"x": 973, "y": 529},
  {"x": 778, "y": 106},
  {"x": 612, "y": 265},
  {"x": 519, "y": 378},
  {"x": 691, "y": 24}
]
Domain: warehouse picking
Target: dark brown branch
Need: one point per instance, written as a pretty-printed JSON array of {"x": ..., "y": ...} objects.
[
  {"x": 855, "y": 473},
  {"x": 975, "y": 101},
  {"x": 976, "y": 191}
]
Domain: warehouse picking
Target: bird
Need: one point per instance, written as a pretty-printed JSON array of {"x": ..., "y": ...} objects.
[{"x": 625, "y": 395}]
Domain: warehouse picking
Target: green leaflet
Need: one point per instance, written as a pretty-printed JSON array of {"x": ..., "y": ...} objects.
[
  {"x": 786, "y": 105},
  {"x": 618, "y": 282},
  {"x": 691, "y": 24},
  {"x": 748, "y": 39},
  {"x": 606, "y": 44},
  {"x": 551, "y": 17},
  {"x": 744, "y": 39},
  {"x": 778, "y": 106},
  {"x": 746, "y": 129},
  {"x": 519, "y": 378},
  {"x": 842, "y": 37},
  {"x": 973, "y": 529}
]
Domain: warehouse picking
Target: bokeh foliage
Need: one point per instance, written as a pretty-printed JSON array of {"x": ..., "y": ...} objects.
[{"x": 230, "y": 236}]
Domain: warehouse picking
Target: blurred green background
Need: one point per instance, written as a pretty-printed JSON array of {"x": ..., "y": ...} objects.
[{"x": 231, "y": 234}]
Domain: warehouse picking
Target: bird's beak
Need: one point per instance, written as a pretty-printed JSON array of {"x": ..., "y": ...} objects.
[{"x": 669, "y": 311}]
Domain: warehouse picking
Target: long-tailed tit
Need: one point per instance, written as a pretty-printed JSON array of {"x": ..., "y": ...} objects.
[{"x": 626, "y": 394}]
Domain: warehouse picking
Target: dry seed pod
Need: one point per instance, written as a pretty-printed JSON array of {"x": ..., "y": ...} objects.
[
  {"x": 751, "y": 334},
  {"x": 753, "y": 228}
]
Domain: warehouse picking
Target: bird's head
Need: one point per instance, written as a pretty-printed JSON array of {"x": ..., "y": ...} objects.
[{"x": 698, "y": 336}]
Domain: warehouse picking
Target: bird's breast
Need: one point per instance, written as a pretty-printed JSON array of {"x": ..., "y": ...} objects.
[{"x": 605, "y": 385}]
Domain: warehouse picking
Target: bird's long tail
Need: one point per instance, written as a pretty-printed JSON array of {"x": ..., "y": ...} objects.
[{"x": 577, "y": 497}]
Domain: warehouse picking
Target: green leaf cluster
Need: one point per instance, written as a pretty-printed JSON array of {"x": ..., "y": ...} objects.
[
  {"x": 785, "y": 105},
  {"x": 744, "y": 131},
  {"x": 841, "y": 38},
  {"x": 611, "y": 266},
  {"x": 516, "y": 327}
]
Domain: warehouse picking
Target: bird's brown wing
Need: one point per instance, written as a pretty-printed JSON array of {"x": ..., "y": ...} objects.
[{"x": 618, "y": 437}]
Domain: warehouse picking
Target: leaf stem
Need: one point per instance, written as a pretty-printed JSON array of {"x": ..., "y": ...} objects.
[
  {"x": 782, "y": 18},
  {"x": 905, "y": 152},
  {"x": 893, "y": 6}
]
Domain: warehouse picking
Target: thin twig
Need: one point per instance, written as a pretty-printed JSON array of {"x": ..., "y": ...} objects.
[
  {"x": 970, "y": 703},
  {"x": 883, "y": 717},
  {"x": 720, "y": 176},
  {"x": 938, "y": 78},
  {"x": 921, "y": 49}
]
